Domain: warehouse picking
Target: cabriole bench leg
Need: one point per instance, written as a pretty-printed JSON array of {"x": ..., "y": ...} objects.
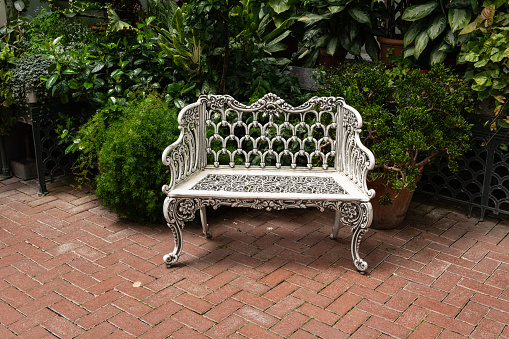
[
  {"x": 359, "y": 217},
  {"x": 172, "y": 257},
  {"x": 176, "y": 212}
]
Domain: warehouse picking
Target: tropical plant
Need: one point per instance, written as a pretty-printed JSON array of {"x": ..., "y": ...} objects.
[
  {"x": 255, "y": 68},
  {"x": 409, "y": 120},
  {"x": 487, "y": 52},
  {"x": 339, "y": 24},
  {"x": 435, "y": 29},
  {"x": 131, "y": 176}
]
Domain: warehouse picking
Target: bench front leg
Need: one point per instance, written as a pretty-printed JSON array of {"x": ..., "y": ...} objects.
[
  {"x": 176, "y": 212},
  {"x": 358, "y": 215}
]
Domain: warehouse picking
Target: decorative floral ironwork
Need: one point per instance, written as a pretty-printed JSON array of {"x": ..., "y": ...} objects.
[{"x": 269, "y": 184}]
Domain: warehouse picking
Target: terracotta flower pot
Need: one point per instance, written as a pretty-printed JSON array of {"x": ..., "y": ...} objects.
[
  {"x": 331, "y": 60},
  {"x": 386, "y": 44},
  {"x": 390, "y": 216}
]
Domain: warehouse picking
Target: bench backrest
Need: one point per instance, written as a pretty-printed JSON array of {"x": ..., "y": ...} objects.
[{"x": 272, "y": 133}]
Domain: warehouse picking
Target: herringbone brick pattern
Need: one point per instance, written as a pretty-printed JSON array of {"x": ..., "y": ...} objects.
[{"x": 70, "y": 268}]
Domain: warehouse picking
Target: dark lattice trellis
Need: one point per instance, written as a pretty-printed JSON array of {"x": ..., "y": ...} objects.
[
  {"x": 50, "y": 155},
  {"x": 482, "y": 180}
]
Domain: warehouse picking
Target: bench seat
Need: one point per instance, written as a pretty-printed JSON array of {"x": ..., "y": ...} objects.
[{"x": 270, "y": 184}]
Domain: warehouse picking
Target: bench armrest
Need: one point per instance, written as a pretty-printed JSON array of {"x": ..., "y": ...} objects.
[
  {"x": 187, "y": 154},
  {"x": 355, "y": 158}
]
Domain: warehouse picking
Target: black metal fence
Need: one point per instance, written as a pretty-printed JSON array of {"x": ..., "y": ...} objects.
[{"x": 482, "y": 180}]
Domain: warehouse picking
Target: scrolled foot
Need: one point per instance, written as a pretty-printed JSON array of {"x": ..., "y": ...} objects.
[
  {"x": 208, "y": 235},
  {"x": 170, "y": 259},
  {"x": 332, "y": 236},
  {"x": 361, "y": 265}
]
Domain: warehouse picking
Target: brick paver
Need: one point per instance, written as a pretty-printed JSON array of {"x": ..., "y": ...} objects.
[{"x": 70, "y": 268}]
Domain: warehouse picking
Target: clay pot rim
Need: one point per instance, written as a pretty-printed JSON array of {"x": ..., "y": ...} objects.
[{"x": 389, "y": 41}]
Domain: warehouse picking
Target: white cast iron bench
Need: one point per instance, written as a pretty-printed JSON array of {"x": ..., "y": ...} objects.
[{"x": 268, "y": 155}]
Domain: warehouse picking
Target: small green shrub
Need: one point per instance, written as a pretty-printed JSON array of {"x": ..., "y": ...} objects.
[{"x": 132, "y": 173}]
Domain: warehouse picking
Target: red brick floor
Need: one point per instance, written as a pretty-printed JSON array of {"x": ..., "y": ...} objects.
[{"x": 70, "y": 268}]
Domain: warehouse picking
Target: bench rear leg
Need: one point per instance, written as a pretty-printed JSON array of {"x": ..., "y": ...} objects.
[
  {"x": 337, "y": 225},
  {"x": 204, "y": 225}
]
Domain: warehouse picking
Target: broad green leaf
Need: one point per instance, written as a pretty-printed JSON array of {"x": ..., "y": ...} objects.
[
  {"x": 459, "y": 18},
  {"x": 188, "y": 87},
  {"x": 279, "y": 6},
  {"x": 472, "y": 57},
  {"x": 336, "y": 9},
  {"x": 360, "y": 15},
  {"x": 414, "y": 29},
  {"x": 421, "y": 41},
  {"x": 445, "y": 47},
  {"x": 177, "y": 22},
  {"x": 372, "y": 48},
  {"x": 437, "y": 56},
  {"x": 69, "y": 71},
  {"x": 472, "y": 26},
  {"x": 116, "y": 73},
  {"x": 310, "y": 18},
  {"x": 274, "y": 47},
  {"x": 332, "y": 46},
  {"x": 166, "y": 50},
  {"x": 407, "y": 52},
  {"x": 417, "y": 12},
  {"x": 116, "y": 24},
  {"x": 480, "y": 79},
  {"x": 499, "y": 84},
  {"x": 136, "y": 72},
  {"x": 98, "y": 66},
  {"x": 450, "y": 38},
  {"x": 181, "y": 49},
  {"x": 51, "y": 81},
  {"x": 497, "y": 57},
  {"x": 437, "y": 26},
  {"x": 88, "y": 85}
]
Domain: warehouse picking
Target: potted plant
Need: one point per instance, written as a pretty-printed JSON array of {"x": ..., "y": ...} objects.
[
  {"x": 392, "y": 27},
  {"x": 338, "y": 27},
  {"x": 26, "y": 78},
  {"x": 427, "y": 31},
  {"x": 409, "y": 120}
]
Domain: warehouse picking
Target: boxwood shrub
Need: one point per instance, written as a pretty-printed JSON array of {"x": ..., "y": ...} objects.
[{"x": 131, "y": 171}]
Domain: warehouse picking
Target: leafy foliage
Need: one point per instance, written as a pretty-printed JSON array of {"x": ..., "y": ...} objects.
[
  {"x": 487, "y": 52},
  {"x": 435, "y": 28},
  {"x": 131, "y": 176},
  {"x": 335, "y": 24},
  {"x": 407, "y": 121}
]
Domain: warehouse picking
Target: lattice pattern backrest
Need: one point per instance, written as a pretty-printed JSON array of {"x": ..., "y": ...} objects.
[{"x": 271, "y": 132}]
